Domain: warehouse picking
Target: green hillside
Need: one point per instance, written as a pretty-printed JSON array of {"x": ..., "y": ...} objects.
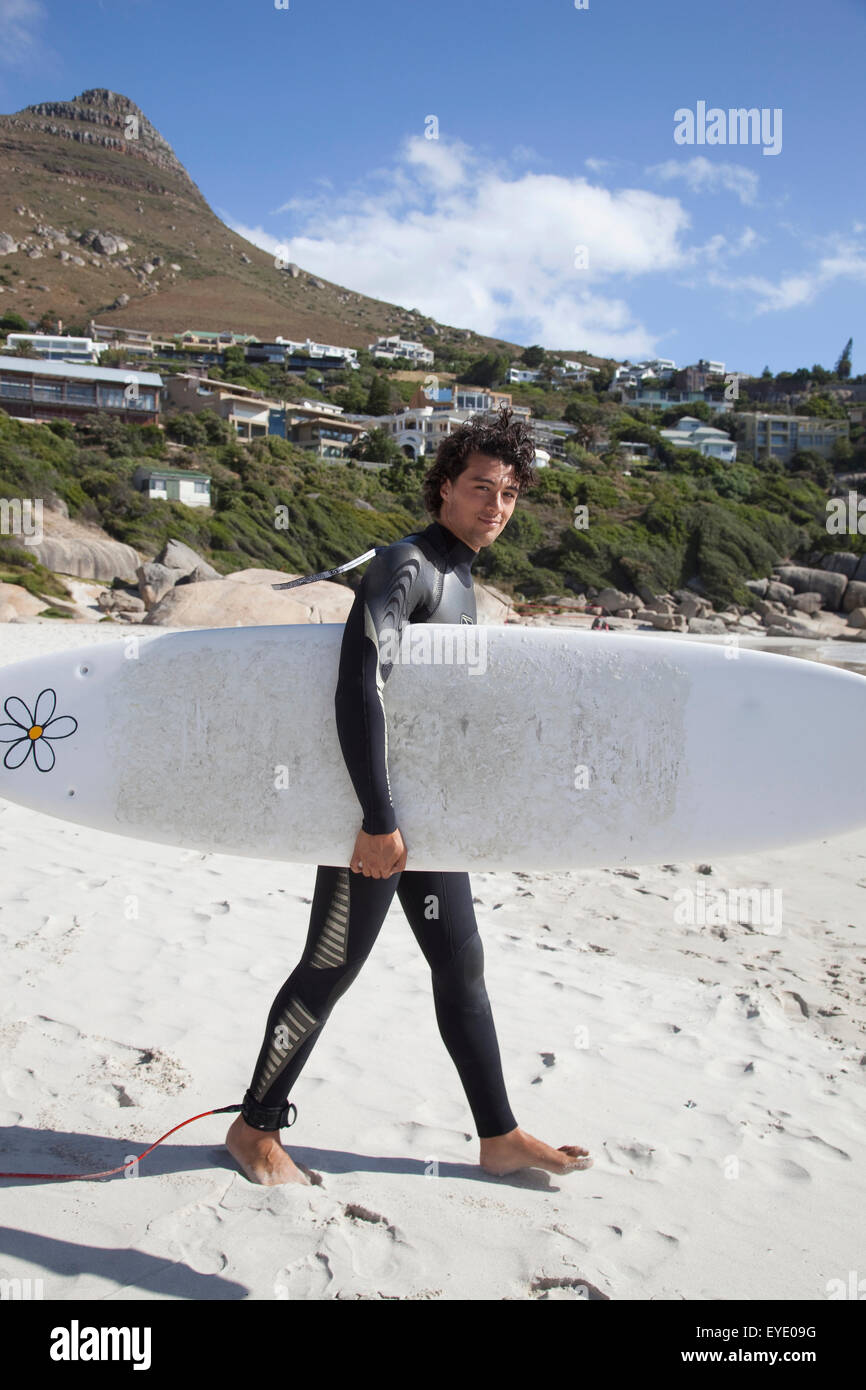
[{"x": 278, "y": 507}]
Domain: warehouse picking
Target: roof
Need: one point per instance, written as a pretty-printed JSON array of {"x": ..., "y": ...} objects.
[
  {"x": 146, "y": 472},
  {"x": 38, "y": 366}
]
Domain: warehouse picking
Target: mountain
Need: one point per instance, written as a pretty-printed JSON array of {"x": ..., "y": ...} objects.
[{"x": 69, "y": 169}]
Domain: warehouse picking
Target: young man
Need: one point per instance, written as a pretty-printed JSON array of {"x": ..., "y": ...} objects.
[{"x": 471, "y": 490}]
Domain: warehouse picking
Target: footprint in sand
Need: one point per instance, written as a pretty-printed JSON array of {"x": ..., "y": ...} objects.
[{"x": 566, "y": 1287}]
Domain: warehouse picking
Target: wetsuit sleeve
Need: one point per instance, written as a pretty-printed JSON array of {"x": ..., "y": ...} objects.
[{"x": 384, "y": 602}]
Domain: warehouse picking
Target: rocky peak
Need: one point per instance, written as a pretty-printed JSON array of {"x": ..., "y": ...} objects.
[{"x": 101, "y": 117}]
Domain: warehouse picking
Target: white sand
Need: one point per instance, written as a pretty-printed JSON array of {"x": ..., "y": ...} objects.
[{"x": 715, "y": 1073}]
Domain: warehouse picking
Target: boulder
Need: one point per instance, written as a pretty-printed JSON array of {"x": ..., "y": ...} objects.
[
  {"x": 200, "y": 575},
  {"x": 827, "y": 583},
  {"x": 792, "y": 629},
  {"x": 854, "y": 596},
  {"x": 799, "y": 626},
  {"x": 119, "y": 601},
  {"x": 842, "y": 562},
  {"x": 154, "y": 582},
  {"x": 707, "y": 625},
  {"x": 178, "y": 556},
  {"x": 8, "y": 244},
  {"x": 690, "y": 606},
  {"x": 19, "y": 602},
  {"x": 765, "y": 609},
  {"x": 805, "y": 603},
  {"x": 251, "y": 603},
  {"x": 612, "y": 599},
  {"x": 758, "y": 586},
  {"x": 779, "y": 593},
  {"x": 102, "y": 560},
  {"x": 668, "y": 622},
  {"x": 493, "y": 606},
  {"x": 857, "y": 617}
]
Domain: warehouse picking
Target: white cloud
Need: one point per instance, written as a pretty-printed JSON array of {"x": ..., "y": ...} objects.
[
  {"x": 19, "y": 21},
  {"x": 706, "y": 175},
  {"x": 843, "y": 259},
  {"x": 454, "y": 234}
]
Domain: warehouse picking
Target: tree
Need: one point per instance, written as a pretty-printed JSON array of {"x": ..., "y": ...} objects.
[
  {"x": 842, "y": 454},
  {"x": 602, "y": 378},
  {"x": 533, "y": 356},
  {"x": 589, "y": 419},
  {"x": 376, "y": 446},
  {"x": 13, "y": 323},
  {"x": 821, "y": 405},
  {"x": 489, "y": 370},
  {"x": 379, "y": 397},
  {"x": 843, "y": 366},
  {"x": 24, "y": 349}
]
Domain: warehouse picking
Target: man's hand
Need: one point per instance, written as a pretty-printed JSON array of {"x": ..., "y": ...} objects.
[{"x": 378, "y": 856}]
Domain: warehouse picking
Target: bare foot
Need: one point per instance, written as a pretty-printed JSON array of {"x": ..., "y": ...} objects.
[
  {"x": 505, "y": 1153},
  {"x": 261, "y": 1155}
]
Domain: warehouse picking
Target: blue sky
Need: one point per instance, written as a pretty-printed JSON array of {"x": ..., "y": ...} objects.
[{"x": 554, "y": 204}]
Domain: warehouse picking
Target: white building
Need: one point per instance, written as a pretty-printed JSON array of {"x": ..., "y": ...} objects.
[
  {"x": 523, "y": 374},
  {"x": 419, "y": 431},
  {"x": 349, "y": 355},
  {"x": 402, "y": 347},
  {"x": 694, "y": 434},
  {"x": 629, "y": 375},
  {"x": 574, "y": 371},
  {"x": 173, "y": 485},
  {"x": 58, "y": 348}
]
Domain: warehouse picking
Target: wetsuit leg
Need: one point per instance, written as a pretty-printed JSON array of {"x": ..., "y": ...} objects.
[
  {"x": 345, "y": 918},
  {"x": 440, "y": 913}
]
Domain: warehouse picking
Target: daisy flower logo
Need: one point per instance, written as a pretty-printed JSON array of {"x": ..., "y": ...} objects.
[{"x": 34, "y": 733}]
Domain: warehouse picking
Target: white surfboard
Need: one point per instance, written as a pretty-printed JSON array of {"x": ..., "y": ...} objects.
[{"x": 531, "y": 748}]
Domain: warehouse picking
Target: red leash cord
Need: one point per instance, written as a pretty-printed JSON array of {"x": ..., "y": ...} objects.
[{"x": 109, "y": 1172}]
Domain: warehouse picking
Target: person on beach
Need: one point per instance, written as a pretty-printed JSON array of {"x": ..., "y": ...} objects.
[{"x": 471, "y": 491}]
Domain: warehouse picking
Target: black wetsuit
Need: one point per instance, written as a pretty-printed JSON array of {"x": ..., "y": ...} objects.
[{"x": 423, "y": 578}]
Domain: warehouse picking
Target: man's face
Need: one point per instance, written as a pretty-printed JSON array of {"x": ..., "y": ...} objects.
[{"x": 477, "y": 504}]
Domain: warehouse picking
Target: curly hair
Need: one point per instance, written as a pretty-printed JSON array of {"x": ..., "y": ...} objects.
[{"x": 506, "y": 438}]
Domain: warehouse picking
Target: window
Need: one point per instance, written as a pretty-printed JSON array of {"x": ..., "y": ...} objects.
[{"x": 81, "y": 395}]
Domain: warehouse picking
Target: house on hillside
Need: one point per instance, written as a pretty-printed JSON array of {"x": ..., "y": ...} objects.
[
  {"x": 319, "y": 427},
  {"x": 56, "y": 347},
  {"x": 174, "y": 485},
  {"x": 691, "y": 433},
  {"x": 396, "y": 346},
  {"x": 782, "y": 436},
  {"x": 34, "y": 389},
  {"x": 245, "y": 410}
]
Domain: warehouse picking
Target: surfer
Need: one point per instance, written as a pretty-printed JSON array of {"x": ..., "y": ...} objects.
[{"x": 471, "y": 491}]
